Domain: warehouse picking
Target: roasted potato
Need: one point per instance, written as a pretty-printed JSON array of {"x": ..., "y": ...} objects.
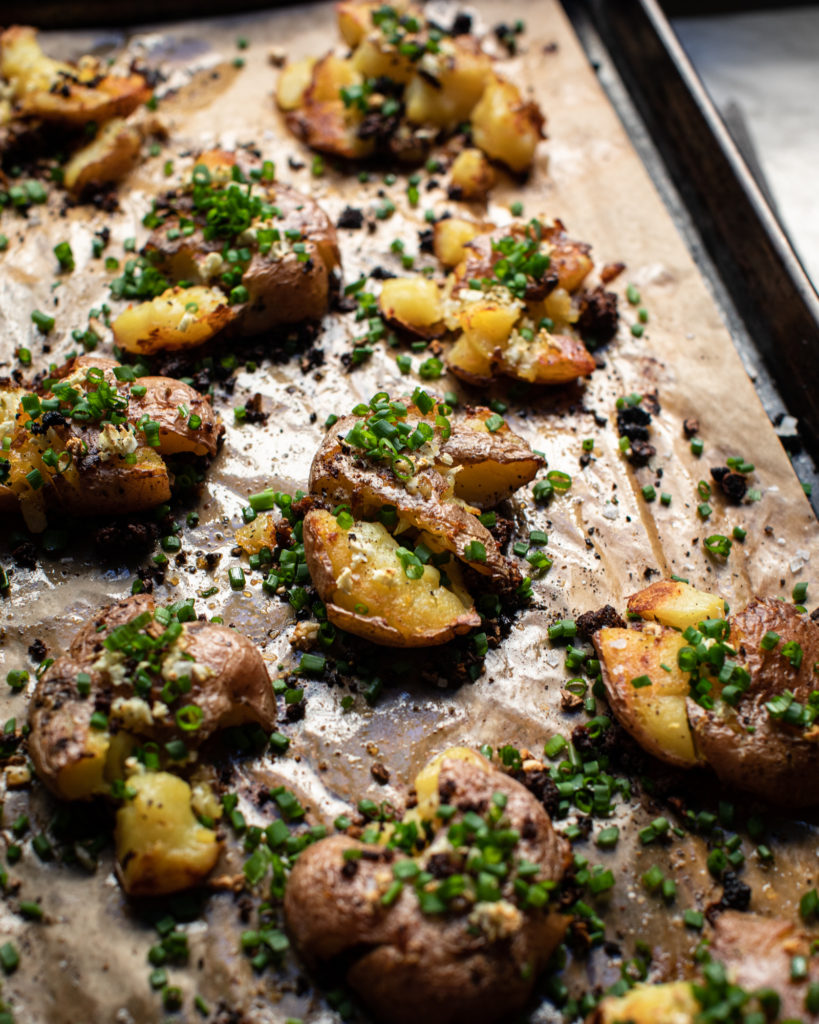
[
  {"x": 293, "y": 255},
  {"x": 505, "y": 127},
  {"x": 362, "y": 582},
  {"x": 111, "y": 154},
  {"x": 472, "y": 959},
  {"x": 160, "y": 845},
  {"x": 81, "y": 466},
  {"x": 53, "y": 91},
  {"x": 756, "y": 953},
  {"x": 401, "y": 85},
  {"x": 471, "y": 175},
  {"x": 374, "y": 586},
  {"x": 753, "y": 722},
  {"x": 511, "y": 303},
  {"x": 224, "y": 681}
]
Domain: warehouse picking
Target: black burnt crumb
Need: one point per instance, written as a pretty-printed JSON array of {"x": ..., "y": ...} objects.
[
  {"x": 294, "y": 163},
  {"x": 461, "y": 24},
  {"x": 380, "y": 773},
  {"x": 632, "y": 422},
  {"x": 691, "y": 426},
  {"x": 598, "y": 315},
  {"x": 734, "y": 485},
  {"x": 295, "y": 712},
  {"x": 589, "y": 622},
  {"x": 349, "y": 868},
  {"x": 641, "y": 452},
  {"x": 814, "y": 615},
  {"x": 541, "y": 785},
  {"x": 114, "y": 538},
  {"x": 426, "y": 239},
  {"x": 25, "y": 555},
  {"x": 254, "y": 412},
  {"x": 350, "y": 218},
  {"x": 381, "y": 273},
  {"x": 37, "y": 651},
  {"x": 440, "y": 865},
  {"x": 736, "y": 895},
  {"x": 455, "y": 192}
]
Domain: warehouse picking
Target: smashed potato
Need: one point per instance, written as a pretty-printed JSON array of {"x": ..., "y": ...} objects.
[
  {"x": 168, "y": 682},
  {"x": 405, "y": 82},
  {"x": 224, "y": 682},
  {"x": 512, "y": 303},
  {"x": 432, "y": 478},
  {"x": 256, "y": 253},
  {"x": 93, "y": 442},
  {"x": 43, "y": 93},
  {"x": 739, "y": 694},
  {"x": 379, "y": 580},
  {"x": 429, "y": 951}
]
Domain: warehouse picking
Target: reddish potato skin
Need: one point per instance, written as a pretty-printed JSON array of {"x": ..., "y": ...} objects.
[
  {"x": 758, "y": 951},
  {"x": 238, "y": 690},
  {"x": 162, "y": 401},
  {"x": 777, "y": 762},
  {"x": 412, "y": 967}
]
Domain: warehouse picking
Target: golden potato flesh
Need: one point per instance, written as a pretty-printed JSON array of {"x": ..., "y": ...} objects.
[
  {"x": 653, "y": 710},
  {"x": 161, "y": 847},
  {"x": 472, "y": 175},
  {"x": 362, "y": 581},
  {"x": 672, "y": 1003},
  {"x": 459, "y": 81},
  {"x": 677, "y": 604},
  {"x": 179, "y": 318},
  {"x": 505, "y": 127},
  {"x": 107, "y": 158},
  {"x": 450, "y": 238},
  {"x": 293, "y": 82},
  {"x": 414, "y": 304}
]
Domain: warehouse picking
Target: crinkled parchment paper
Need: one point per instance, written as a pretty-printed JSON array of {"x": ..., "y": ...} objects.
[{"x": 87, "y": 960}]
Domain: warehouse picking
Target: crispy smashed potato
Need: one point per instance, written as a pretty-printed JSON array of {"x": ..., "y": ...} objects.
[
  {"x": 100, "y": 441},
  {"x": 511, "y": 304},
  {"x": 471, "y": 175},
  {"x": 433, "y": 485},
  {"x": 358, "y": 574},
  {"x": 738, "y": 694},
  {"x": 755, "y": 953},
  {"x": 416, "y": 953},
  {"x": 404, "y": 83},
  {"x": 225, "y": 683},
  {"x": 286, "y": 255},
  {"x": 42, "y": 93},
  {"x": 165, "y": 678}
]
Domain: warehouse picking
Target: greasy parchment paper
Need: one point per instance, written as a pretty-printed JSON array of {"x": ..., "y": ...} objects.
[{"x": 87, "y": 960}]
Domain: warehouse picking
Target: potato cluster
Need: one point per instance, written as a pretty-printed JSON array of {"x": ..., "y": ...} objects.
[
  {"x": 739, "y": 693},
  {"x": 512, "y": 302},
  {"x": 43, "y": 94},
  {"x": 94, "y": 441},
  {"x": 412, "y": 480},
  {"x": 405, "y": 83}
]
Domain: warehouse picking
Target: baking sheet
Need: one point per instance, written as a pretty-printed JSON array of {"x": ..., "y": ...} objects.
[{"x": 87, "y": 960}]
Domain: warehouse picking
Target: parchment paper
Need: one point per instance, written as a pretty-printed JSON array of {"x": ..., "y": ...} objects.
[{"x": 87, "y": 960}]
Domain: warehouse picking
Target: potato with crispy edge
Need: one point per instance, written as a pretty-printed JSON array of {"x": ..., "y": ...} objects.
[
  {"x": 81, "y": 467},
  {"x": 746, "y": 745},
  {"x": 471, "y": 175},
  {"x": 757, "y": 953},
  {"x": 474, "y": 963},
  {"x": 413, "y": 304},
  {"x": 108, "y": 157},
  {"x": 161, "y": 847},
  {"x": 229, "y": 685},
  {"x": 506, "y": 127},
  {"x": 366, "y": 591},
  {"x": 284, "y": 285},
  {"x": 54, "y": 91},
  {"x": 494, "y": 466}
]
